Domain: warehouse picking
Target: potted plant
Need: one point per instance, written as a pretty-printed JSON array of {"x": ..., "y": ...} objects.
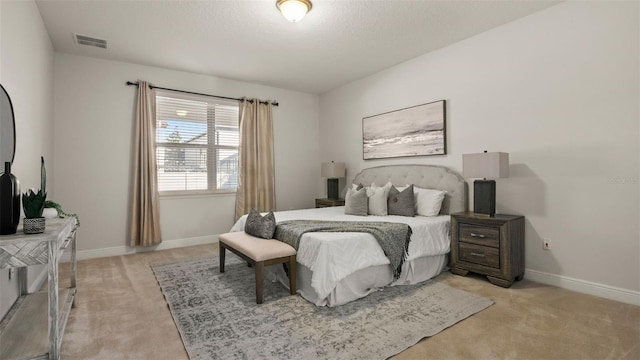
[
  {"x": 50, "y": 211},
  {"x": 33, "y": 204},
  {"x": 57, "y": 211}
]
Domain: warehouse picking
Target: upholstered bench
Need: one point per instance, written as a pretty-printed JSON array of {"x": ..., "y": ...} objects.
[{"x": 259, "y": 253}]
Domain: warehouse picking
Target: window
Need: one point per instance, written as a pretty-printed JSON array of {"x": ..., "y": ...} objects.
[{"x": 196, "y": 143}]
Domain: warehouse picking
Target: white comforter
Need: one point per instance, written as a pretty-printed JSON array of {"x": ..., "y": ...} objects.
[{"x": 334, "y": 256}]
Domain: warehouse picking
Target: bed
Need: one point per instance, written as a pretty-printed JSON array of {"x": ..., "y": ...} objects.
[{"x": 338, "y": 267}]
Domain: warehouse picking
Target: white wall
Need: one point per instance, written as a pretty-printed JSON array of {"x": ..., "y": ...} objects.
[
  {"x": 94, "y": 113},
  {"x": 559, "y": 91},
  {"x": 26, "y": 72}
]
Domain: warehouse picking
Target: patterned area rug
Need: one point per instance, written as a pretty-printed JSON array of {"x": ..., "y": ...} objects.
[{"x": 218, "y": 318}]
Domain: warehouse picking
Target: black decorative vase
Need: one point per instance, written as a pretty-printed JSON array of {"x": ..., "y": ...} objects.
[{"x": 9, "y": 201}]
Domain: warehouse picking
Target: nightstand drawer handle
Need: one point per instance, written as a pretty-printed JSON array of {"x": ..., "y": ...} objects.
[
  {"x": 476, "y": 254},
  {"x": 477, "y": 235}
]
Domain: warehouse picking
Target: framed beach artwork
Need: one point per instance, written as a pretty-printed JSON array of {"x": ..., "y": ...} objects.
[{"x": 415, "y": 131}]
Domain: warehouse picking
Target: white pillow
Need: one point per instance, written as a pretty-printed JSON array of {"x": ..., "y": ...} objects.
[
  {"x": 428, "y": 201},
  {"x": 387, "y": 185},
  {"x": 378, "y": 199}
]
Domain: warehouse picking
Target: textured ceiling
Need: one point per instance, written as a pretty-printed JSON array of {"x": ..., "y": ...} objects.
[{"x": 337, "y": 42}]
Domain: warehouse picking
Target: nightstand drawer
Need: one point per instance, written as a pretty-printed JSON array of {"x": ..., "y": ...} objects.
[
  {"x": 481, "y": 235},
  {"x": 482, "y": 255}
]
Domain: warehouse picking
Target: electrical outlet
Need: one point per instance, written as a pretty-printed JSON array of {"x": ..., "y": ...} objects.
[
  {"x": 12, "y": 273},
  {"x": 546, "y": 244}
]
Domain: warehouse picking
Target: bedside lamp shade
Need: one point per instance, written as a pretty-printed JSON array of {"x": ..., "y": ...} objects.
[
  {"x": 332, "y": 171},
  {"x": 486, "y": 166}
]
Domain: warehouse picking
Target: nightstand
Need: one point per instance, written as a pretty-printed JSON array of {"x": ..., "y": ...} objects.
[
  {"x": 491, "y": 246},
  {"x": 320, "y": 203}
]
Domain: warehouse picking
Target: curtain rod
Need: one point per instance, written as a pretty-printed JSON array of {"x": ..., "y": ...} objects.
[{"x": 131, "y": 83}]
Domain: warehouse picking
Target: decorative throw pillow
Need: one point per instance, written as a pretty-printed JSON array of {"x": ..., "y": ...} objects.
[
  {"x": 378, "y": 199},
  {"x": 351, "y": 186},
  {"x": 356, "y": 202},
  {"x": 428, "y": 201},
  {"x": 260, "y": 226},
  {"x": 401, "y": 202}
]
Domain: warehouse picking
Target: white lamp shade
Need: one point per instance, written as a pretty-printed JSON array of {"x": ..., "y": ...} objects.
[
  {"x": 294, "y": 10},
  {"x": 333, "y": 170},
  {"x": 492, "y": 165}
]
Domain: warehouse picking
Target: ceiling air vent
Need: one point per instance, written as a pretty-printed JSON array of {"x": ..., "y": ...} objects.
[{"x": 90, "y": 41}]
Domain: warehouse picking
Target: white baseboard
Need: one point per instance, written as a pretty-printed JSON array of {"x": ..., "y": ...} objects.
[
  {"x": 583, "y": 286},
  {"x": 124, "y": 250}
]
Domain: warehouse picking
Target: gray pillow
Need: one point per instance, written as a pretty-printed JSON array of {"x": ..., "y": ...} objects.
[
  {"x": 356, "y": 202},
  {"x": 260, "y": 226},
  {"x": 401, "y": 202}
]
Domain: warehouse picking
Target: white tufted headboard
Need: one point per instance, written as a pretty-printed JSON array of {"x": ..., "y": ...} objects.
[{"x": 424, "y": 176}]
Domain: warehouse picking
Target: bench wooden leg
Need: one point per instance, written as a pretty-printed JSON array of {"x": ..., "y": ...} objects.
[
  {"x": 221, "y": 250},
  {"x": 292, "y": 275},
  {"x": 259, "y": 281}
]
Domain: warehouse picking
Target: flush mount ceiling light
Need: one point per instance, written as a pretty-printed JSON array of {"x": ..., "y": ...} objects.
[{"x": 294, "y": 10}]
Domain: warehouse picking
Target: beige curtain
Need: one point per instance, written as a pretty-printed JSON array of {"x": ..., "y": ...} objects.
[
  {"x": 145, "y": 216},
  {"x": 256, "y": 187}
]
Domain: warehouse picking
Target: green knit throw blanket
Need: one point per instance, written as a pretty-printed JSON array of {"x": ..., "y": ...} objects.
[{"x": 393, "y": 237}]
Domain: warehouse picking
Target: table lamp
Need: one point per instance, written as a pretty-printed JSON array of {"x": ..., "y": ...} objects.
[
  {"x": 486, "y": 165},
  {"x": 333, "y": 171}
]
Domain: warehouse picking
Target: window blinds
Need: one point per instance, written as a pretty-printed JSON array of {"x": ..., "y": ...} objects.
[{"x": 196, "y": 142}]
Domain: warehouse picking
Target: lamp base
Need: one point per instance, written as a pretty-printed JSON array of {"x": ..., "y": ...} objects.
[
  {"x": 484, "y": 197},
  {"x": 332, "y": 189}
]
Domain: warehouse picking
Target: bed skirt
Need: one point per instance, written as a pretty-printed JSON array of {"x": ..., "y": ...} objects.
[{"x": 362, "y": 282}]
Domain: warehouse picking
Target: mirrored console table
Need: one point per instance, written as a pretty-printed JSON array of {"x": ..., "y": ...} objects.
[{"x": 33, "y": 327}]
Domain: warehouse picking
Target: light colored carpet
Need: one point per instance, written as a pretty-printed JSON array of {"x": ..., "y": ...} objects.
[
  {"x": 121, "y": 313},
  {"x": 218, "y": 318}
]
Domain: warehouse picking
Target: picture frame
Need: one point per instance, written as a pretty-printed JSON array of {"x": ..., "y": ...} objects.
[{"x": 414, "y": 131}]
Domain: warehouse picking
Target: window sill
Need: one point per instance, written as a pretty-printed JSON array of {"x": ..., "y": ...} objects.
[{"x": 195, "y": 194}]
